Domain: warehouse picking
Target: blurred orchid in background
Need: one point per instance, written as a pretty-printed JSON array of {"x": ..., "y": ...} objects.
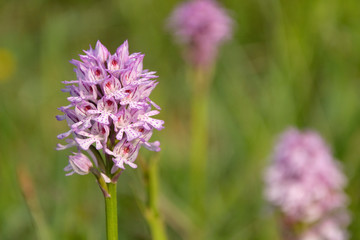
[
  {"x": 201, "y": 26},
  {"x": 305, "y": 183}
]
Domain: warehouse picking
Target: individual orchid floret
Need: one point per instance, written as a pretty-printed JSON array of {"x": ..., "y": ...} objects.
[
  {"x": 144, "y": 138},
  {"x": 109, "y": 111},
  {"x": 123, "y": 125},
  {"x": 100, "y": 53},
  {"x": 98, "y": 134},
  {"x": 134, "y": 100},
  {"x": 78, "y": 163},
  {"x": 112, "y": 88},
  {"x": 305, "y": 183},
  {"x": 201, "y": 25},
  {"x": 105, "y": 109},
  {"x": 149, "y": 122},
  {"x": 125, "y": 153}
]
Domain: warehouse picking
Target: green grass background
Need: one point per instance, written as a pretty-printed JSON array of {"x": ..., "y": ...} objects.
[{"x": 290, "y": 63}]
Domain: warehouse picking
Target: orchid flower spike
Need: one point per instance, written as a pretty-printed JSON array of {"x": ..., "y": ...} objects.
[
  {"x": 305, "y": 183},
  {"x": 109, "y": 113},
  {"x": 201, "y": 26}
]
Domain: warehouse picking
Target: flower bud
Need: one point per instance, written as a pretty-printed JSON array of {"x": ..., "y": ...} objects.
[
  {"x": 101, "y": 52},
  {"x": 79, "y": 163}
]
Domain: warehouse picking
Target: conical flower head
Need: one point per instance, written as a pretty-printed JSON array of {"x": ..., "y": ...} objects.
[
  {"x": 108, "y": 105},
  {"x": 201, "y": 25}
]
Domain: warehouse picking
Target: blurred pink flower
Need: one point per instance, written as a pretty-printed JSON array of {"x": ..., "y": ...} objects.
[
  {"x": 201, "y": 25},
  {"x": 305, "y": 182},
  {"x": 331, "y": 228}
]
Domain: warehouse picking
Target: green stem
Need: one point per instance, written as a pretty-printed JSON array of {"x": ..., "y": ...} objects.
[
  {"x": 111, "y": 213},
  {"x": 153, "y": 217},
  {"x": 199, "y": 140},
  {"x": 109, "y": 164},
  {"x": 156, "y": 227}
]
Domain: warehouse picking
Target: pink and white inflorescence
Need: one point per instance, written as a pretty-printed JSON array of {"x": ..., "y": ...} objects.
[
  {"x": 110, "y": 108},
  {"x": 201, "y": 25},
  {"x": 306, "y": 184}
]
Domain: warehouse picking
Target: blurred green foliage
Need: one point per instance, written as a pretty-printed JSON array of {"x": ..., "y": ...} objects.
[{"x": 290, "y": 63}]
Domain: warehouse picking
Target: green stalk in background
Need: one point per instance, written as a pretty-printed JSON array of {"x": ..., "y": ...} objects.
[
  {"x": 199, "y": 138},
  {"x": 151, "y": 210},
  {"x": 201, "y": 27},
  {"x": 31, "y": 198}
]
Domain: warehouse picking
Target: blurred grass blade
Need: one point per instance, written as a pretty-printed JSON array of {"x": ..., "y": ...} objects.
[{"x": 29, "y": 193}]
